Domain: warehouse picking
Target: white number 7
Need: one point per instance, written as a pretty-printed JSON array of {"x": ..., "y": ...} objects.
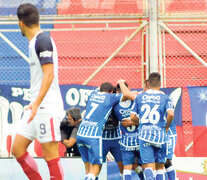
[{"x": 94, "y": 106}]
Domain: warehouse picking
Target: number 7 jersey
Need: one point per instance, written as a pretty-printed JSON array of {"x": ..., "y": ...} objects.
[
  {"x": 151, "y": 107},
  {"x": 98, "y": 109}
]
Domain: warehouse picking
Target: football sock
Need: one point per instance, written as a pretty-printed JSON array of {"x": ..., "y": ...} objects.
[
  {"x": 171, "y": 173},
  {"x": 127, "y": 174},
  {"x": 160, "y": 174},
  {"x": 29, "y": 166},
  {"x": 148, "y": 174},
  {"x": 56, "y": 169}
]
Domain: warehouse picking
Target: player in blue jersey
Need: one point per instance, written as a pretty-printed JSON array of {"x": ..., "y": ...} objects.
[
  {"x": 111, "y": 137},
  {"x": 130, "y": 141},
  {"x": 89, "y": 137},
  {"x": 150, "y": 107},
  {"x": 171, "y": 142}
]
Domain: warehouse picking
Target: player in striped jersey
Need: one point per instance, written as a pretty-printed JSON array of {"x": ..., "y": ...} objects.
[
  {"x": 151, "y": 107},
  {"x": 89, "y": 137},
  {"x": 42, "y": 118},
  {"x": 171, "y": 142},
  {"x": 111, "y": 136},
  {"x": 130, "y": 141}
]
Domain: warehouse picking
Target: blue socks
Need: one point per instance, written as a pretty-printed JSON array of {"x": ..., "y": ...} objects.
[
  {"x": 171, "y": 173},
  {"x": 127, "y": 174},
  {"x": 148, "y": 174},
  {"x": 160, "y": 174}
]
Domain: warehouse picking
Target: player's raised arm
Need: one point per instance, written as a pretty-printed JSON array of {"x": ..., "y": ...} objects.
[{"x": 127, "y": 94}]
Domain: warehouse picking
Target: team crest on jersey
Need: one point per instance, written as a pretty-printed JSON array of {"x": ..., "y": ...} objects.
[{"x": 125, "y": 104}]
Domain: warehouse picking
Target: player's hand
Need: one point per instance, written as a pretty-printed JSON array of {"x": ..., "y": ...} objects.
[
  {"x": 33, "y": 107},
  {"x": 120, "y": 81},
  {"x": 127, "y": 122}
]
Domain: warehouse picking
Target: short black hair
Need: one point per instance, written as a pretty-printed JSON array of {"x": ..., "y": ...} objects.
[
  {"x": 154, "y": 79},
  {"x": 74, "y": 112},
  {"x": 28, "y": 14},
  {"x": 118, "y": 87},
  {"x": 106, "y": 87}
]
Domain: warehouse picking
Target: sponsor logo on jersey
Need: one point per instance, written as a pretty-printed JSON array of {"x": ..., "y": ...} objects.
[
  {"x": 46, "y": 54},
  {"x": 150, "y": 98},
  {"x": 125, "y": 112}
]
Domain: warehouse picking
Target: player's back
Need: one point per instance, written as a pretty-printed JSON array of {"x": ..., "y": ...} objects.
[
  {"x": 129, "y": 134},
  {"x": 98, "y": 109},
  {"x": 151, "y": 107}
]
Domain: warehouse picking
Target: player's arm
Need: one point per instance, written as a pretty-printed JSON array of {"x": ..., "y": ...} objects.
[
  {"x": 170, "y": 116},
  {"x": 127, "y": 94},
  {"x": 134, "y": 112},
  {"x": 170, "y": 113},
  {"x": 134, "y": 118},
  {"x": 128, "y": 122}
]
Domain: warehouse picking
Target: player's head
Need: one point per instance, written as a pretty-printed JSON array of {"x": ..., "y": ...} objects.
[
  {"x": 28, "y": 16},
  {"x": 118, "y": 87},
  {"x": 106, "y": 87},
  {"x": 73, "y": 113},
  {"x": 154, "y": 80},
  {"x": 146, "y": 85}
]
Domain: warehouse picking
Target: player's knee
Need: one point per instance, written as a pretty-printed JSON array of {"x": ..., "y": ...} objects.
[
  {"x": 168, "y": 163},
  {"x": 15, "y": 150}
]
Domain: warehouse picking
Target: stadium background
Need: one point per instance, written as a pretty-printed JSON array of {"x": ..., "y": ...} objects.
[{"x": 112, "y": 37}]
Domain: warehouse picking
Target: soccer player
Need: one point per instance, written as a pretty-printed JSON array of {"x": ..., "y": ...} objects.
[
  {"x": 42, "y": 118},
  {"x": 89, "y": 137},
  {"x": 151, "y": 107},
  {"x": 111, "y": 136},
  {"x": 171, "y": 142},
  {"x": 130, "y": 141}
]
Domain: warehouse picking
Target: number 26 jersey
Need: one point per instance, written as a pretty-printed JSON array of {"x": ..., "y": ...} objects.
[{"x": 151, "y": 107}]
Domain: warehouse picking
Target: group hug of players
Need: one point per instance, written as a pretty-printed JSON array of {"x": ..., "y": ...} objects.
[{"x": 137, "y": 128}]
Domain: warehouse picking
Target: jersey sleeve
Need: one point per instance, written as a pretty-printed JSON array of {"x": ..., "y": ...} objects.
[
  {"x": 134, "y": 108},
  {"x": 44, "y": 48},
  {"x": 116, "y": 98}
]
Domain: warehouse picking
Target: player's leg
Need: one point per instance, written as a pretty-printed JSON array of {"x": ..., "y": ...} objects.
[
  {"x": 128, "y": 161},
  {"x": 148, "y": 159},
  {"x": 116, "y": 152},
  {"x": 160, "y": 171},
  {"x": 160, "y": 156},
  {"x": 47, "y": 125},
  {"x": 95, "y": 156},
  {"x": 170, "y": 170},
  {"x": 83, "y": 149},
  {"x": 27, "y": 162},
  {"x": 25, "y": 135},
  {"x": 51, "y": 156},
  {"x": 139, "y": 169}
]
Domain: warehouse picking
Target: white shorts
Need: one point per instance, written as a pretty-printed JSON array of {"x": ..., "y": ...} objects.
[{"x": 45, "y": 126}]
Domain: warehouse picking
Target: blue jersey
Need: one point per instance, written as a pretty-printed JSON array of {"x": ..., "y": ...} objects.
[
  {"x": 111, "y": 129},
  {"x": 98, "y": 109},
  {"x": 151, "y": 107},
  {"x": 129, "y": 141}
]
